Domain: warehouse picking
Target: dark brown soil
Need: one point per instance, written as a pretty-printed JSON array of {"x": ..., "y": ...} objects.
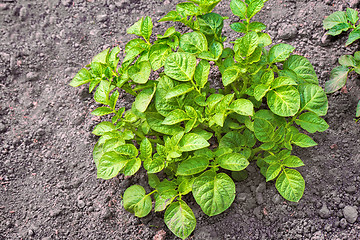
[{"x": 48, "y": 185}]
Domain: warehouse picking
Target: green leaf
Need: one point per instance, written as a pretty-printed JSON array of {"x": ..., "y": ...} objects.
[
  {"x": 180, "y": 219},
  {"x": 101, "y": 57},
  {"x": 211, "y": 25},
  {"x": 313, "y": 98},
  {"x": 254, "y": 7},
  {"x": 146, "y": 28},
  {"x": 358, "y": 110},
  {"x": 165, "y": 106},
  {"x": 341, "y": 27},
  {"x": 243, "y": 107},
  {"x": 231, "y": 74},
  {"x": 347, "y": 61},
  {"x": 192, "y": 166},
  {"x": 282, "y": 81},
  {"x": 233, "y": 161},
  {"x": 193, "y": 42},
  {"x": 291, "y": 185},
  {"x": 128, "y": 150},
  {"x": 247, "y": 44},
  {"x": 154, "y": 165},
  {"x": 280, "y": 52},
  {"x": 187, "y": 9},
  {"x": 264, "y": 39},
  {"x": 206, "y": 135},
  {"x": 334, "y": 19},
  {"x": 239, "y": 27},
  {"x": 102, "y": 128},
  {"x": 136, "y": 28},
  {"x": 179, "y": 90},
  {"x": 167, "y": 189},
  {"x": 260, "y": 91},
  {"x": 136, "y": 201},
  {"x": 102, "y": 92},
  {"x": 110, "y": 165},
  {"x": 158, "y": 54},
  {"x": 155, "y": 121},
  {"x": 302, "y": 67},
  {"x": 144, "y": 98},
  {"x": 273, "y": 171},
  {"x": 171, "y": 16},
  {"x": 145, "y": 149},
  {"x": 82, "y": 77},
  {"x": 214, "y": 52},
  {"x": 161, "y": 203},
  {"x": 180, "y": 66},
  {"x": 284, "y": 101},
  {"x": 353, "y": 36},
  {"x": 140, "y": 72},
  {"x": 311, "y": 122},
  {"x": 265, "y": 124},
  {"x": 175, "y": 117},
  {"x": 303, "y": 140},
  {"x": 113, "y": 99},
  {"x": 191, "y": 142},
  {"x": 292, "y": 161},
  {"x": 238, "y": 8},
  {"x": 101, "y": 111},
  {"x": 153, "y": 180},
  {"x": 214, "y": 192},
  {"x": 352, "y": 15},
  {"x": 257, "y": 26},
  {"x": 202, "y": 73},
  {"x": 131, "y": 167},
  {"x": 233, "y": 140}
]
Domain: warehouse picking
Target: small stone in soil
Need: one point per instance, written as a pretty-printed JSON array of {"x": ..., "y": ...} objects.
[
  {"x": 354, "y": 3},
  {"x": 324, "y": 212},
  {"x": 350, "y": 214},
  {"x": 54, "y": 213},
  {"x": 287, "y": 31},
  {"x": 343, "y": 223},
  {"x": 350, "y": 189}
]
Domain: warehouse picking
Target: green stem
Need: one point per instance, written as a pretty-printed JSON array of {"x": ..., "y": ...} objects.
[
  {"x": 151, "y": 193},
  {"x": 235, "y": 90}
]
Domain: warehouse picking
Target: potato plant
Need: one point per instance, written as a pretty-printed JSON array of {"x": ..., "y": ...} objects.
[
  {"x": 189, "y": 137},
  {"x": 336, "y": 23}
]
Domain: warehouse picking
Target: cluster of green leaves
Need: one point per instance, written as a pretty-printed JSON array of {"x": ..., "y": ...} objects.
[
  {"x": 195, "y": 134},
  {"x": 337, "y": 23}
]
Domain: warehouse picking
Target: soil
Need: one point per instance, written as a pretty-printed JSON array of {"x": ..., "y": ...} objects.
[{"x": 48, "y": 185}]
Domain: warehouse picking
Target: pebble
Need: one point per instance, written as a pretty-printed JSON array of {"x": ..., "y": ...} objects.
[
  {"x": 261, "y": 187},
  {"x": 23, "y": 13},
  {"x": 287, "y": 31},
  {"x": 106, "y": 214},
  {"x": 81, "y": 204},
  {"x": 66, "y": 3},
  {"x": 30, "y": 76},
  {"x": 54, "y": 213},
  {"x": 259, "y": 198},
  {"x": 350, "y": 214},
  {"x": 324, "y": 212},
  {"x": 241, "y": 197},
  {"x": 257, "y": 212},
  {"x": 325, "y": 40},
  {"x": 2, "y": 127},
  {"x": 350, "y": 189},
  {"x": 354, "y": 3},
  {"x": 276, "y": 199},
  {"x": 343, "y": 223},
  {"x": 101, "y": 18}
]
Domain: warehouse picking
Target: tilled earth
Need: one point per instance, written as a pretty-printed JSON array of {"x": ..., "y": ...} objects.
[{"x": 48, "y": 185}]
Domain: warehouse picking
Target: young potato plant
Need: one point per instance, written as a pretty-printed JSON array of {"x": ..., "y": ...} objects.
[
  {"x": 337, "y": 23},
  {"x": 195, "y": 135}
]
